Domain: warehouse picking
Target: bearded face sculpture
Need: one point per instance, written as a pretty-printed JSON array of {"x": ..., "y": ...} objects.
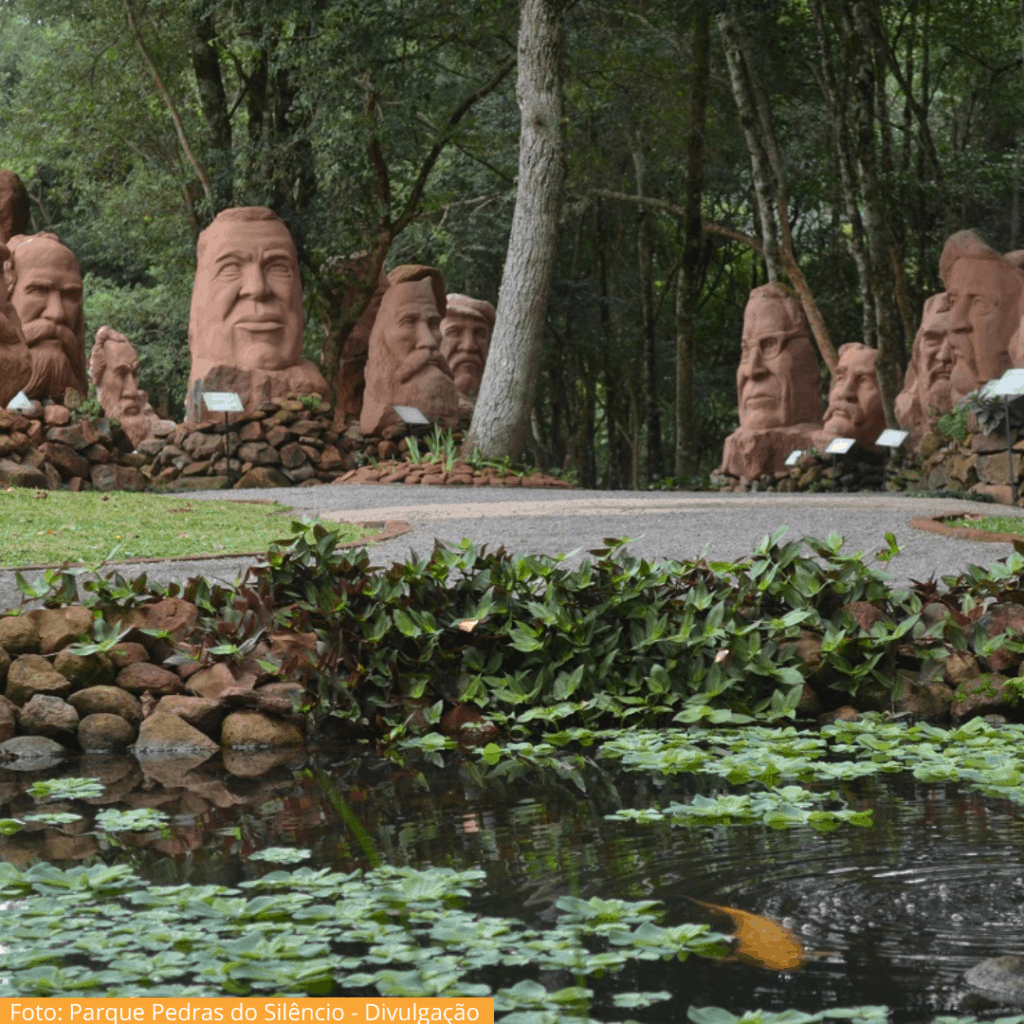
[
  {"x": 45, "y": 286},
  {"x": 855, "y": 403},
  {"x": 404, "y": 365},
  {"x": 927, "y": 388},
  {"x": 114, "y": 368},
  {"x": 15, "y": 359},
  {"x": 465, "y": 340}
]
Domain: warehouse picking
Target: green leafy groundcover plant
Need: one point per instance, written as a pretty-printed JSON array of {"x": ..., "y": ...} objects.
[{"x": 539, "y": 646}]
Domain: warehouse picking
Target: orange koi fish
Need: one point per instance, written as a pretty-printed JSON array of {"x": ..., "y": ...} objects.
[{"x": 761, "y": 941}]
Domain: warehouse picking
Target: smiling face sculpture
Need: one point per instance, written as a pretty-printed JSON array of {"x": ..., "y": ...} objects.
[{"x": 245, "y": 324}]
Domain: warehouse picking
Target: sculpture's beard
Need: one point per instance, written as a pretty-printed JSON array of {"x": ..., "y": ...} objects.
[
  {"x": 57, "y": 360},
  {"x": 10, "y": 331},
  {"x": 940, "y": 393},
  {"x": 843, "y": 413},
  {"x": 138, "y": 423},
  {"x": 419, "y": 360}
]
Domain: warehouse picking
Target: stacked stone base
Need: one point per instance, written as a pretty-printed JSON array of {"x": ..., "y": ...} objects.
[
  {"x": 855, "y": 471},
  {"x": 56, "y": 702}
]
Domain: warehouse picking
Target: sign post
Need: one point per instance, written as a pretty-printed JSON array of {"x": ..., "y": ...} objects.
[
  {"x": 838, "y": 446},
  {"x": 20, "y": 403},
  {"x": 225, "y": 402},
  {"x": 890, "y": 439},
  {"x": 1010, "y": 385}
]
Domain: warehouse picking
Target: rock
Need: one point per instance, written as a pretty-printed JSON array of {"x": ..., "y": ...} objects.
[
  {"x": 809, "y": 705},
  {"x": 144, "y": 677},
  {"x": 172, "y": 614},
  {"x": 255, "y": 764},
  {"x": 986, "y": 694},
  {"x": 843, "y": 714},
  {"x": 30, "y": 674},
  {"x": 995, "y": 468},
  {"x": 83, "y": 670},
  {"x": 107, "y": 700},
  {"x": 5, "y": 664},
  {"x": 1000, "y": 979},
  {"x": 56, "y": 415},
  {"x": 864, "y": 614},
  {"x": 263, "y": 476},
  {"x": 103, "y": 732},
  {"x": 930, "y": 444},
  {"x": 253, "y": 730},
  {"x": 17, "y": 475},
  {"x": 48, "y": 716},
  {"x": 928, "y": 702},
  {"x": 30, "y": 753},
  {"x": 200, "y": 712},
  {"x": 8, "y": 719},
  {"x": 163, "y": 734},
  {"x": 66, "y": 460},
  {"x": 467, "y": 724},
  {"x": 111, "y": 477},
  {"x": 295, "y": 693},
  {"x": 76, "y": 435},
  {"x": 18, "y": 635},
  {"x": 213, "y": 681},
  {"x": 959, "y": 667},
  {"x": 998, "y": 619},
  {"x": 127, "y": 653},
  {"x": 58, "y": 627}
]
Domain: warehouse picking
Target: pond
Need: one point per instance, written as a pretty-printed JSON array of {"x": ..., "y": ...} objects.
[{"x": 897, "y": 911}]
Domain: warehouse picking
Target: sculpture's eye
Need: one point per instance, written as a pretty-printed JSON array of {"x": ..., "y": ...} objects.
[
  {"x": 982, "y": 304},
  {"x": 771, "y": 346},
  {"x": 231, "y": 268},
  {"x": 279, "y": 268}
]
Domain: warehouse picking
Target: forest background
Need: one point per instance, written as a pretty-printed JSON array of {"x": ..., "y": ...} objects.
[{"x": 708, "y": 147}]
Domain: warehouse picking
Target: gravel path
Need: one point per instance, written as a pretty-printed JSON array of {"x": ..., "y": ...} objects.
[{"x": 677, "y": 525}]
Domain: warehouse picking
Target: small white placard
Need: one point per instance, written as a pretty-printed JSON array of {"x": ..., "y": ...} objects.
[
  {"x": 1011, "y": 383},
  {"x": 840, "y": 445},
  {"x": 411, "y": 415},
  {"x": 20, "y": 402},
  {"x": 223, "y": 401},
  {"x": 891, "y": 438},
  {"x": 793, "y": 456}
]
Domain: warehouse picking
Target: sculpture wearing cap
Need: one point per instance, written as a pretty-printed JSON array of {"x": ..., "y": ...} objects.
[
  {"x": 15, "y": 359},
  {"x": 45, "y": 286},
  {"x": 927, "y": 391},
  {"x": 246, "y": 319},
  {"x": 986, "y": 298},
  {"x": 404, "y": 365},
  {"x": 778, "y": 385},
  {"x": 465, "y": 339},
  {"x": 114, "y": 369}
]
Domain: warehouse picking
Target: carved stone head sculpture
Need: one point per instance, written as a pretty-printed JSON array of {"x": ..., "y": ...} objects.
[
  {"x": 14, "y": 206},
  {"x": 986, "y": 299},
  {"x": 114, "y": 368},
  {"x": 854, "y": 402},
  {"x": 778, "y": 382},
  {"x": 15, "y": 359},
  {"x": 465, "y": 339},
  {"x": 404, "y": 365},
  {"x": 245, "y": 323},
  {"x": 45, "y": 286},
  {"x": 927, "y": 389}
]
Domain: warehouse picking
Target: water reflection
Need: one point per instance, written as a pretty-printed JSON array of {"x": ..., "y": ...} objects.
[{"x": 906, "y": 906}]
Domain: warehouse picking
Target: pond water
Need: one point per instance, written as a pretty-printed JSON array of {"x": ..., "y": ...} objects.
[{"x": 901, "y": 909}]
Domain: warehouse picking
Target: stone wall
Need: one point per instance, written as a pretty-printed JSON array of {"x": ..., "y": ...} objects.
[{"x": 856, "y": 471}]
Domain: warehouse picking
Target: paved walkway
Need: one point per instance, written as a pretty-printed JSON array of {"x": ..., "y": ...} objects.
[{"x": 676, "y": 525}]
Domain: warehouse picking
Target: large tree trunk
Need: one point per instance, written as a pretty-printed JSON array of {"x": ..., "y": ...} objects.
[
  {"x": 686, "y": 455},
  {"x": 501, "y": 419}
]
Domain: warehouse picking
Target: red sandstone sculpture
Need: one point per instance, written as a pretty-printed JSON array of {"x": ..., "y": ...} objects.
[
  {"x": 45, "y": 285},
  {"x": 404, "y": 365},
  {"x": 465, "y": 339},
  {"x": 927, "y": 391},
  {"x": 14, "y": 206},
  {"x": 15, "y": 359},
  {"x": 778, "y": 385},
  {"x": 114, "y": 369},
  {"x": 986, "y": 300},
  {"x": 854, "y": 401},
  {"x": 245, "y": 323}
]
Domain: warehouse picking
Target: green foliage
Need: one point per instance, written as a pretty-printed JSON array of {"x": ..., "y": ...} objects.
[
  {"x": 101, "y": 930},
  {"x": 953, "y": 424}
]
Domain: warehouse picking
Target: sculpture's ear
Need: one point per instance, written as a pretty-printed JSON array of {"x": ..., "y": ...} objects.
[{"x": 9, "y": 277}]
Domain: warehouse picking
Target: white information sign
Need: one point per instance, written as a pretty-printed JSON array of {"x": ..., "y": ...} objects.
[
  {"x": 891, "y": 438},
  {"x": 840, "y": 445},
  {"x": 20, "y": 402},
  {"x": 223, "y": 401},
  {"x": 411, "y": 415},
  {"x": 793, "y": 456},
  {"x": 1011, "y": 383}
]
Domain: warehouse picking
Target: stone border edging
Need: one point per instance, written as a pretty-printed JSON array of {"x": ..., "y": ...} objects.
[
  {"x": 389, "y": 530},
  {"x": 937, "y": 524}
]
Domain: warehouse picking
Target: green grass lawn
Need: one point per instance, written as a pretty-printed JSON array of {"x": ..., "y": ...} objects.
[
  {"x": 48, "y": 527},
  {"x": 995, "y": 524}
]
